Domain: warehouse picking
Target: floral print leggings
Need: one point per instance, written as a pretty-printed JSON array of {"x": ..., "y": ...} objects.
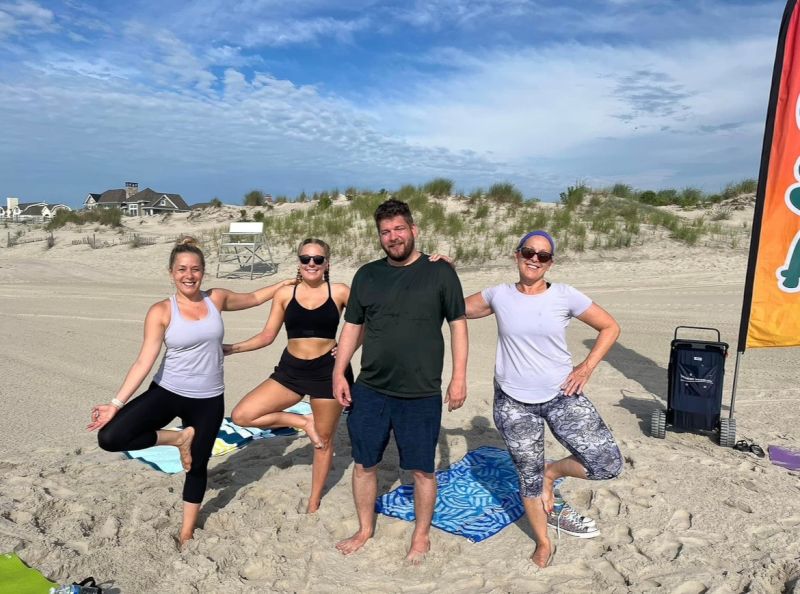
[{"x": 575, "y": 423}]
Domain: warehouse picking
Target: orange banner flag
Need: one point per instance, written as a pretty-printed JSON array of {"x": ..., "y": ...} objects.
[{"x": 771, "y": 309}]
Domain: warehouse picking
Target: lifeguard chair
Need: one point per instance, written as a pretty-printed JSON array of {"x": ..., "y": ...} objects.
[{"x": 246, "y": 244}]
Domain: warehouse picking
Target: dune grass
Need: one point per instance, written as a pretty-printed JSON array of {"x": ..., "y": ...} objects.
[{"x": 485, "y": 225}]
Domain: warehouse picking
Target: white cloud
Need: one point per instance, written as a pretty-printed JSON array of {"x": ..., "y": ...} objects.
[
  {"x": 525, "y": 106},
  {"x": 24, "y": 17},
  {"x": 287, "y": 32}
]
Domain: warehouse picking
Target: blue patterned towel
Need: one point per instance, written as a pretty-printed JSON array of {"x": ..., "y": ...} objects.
[
  {"x": 478, "y": 496},
  {"x": 230, "y": 438}
]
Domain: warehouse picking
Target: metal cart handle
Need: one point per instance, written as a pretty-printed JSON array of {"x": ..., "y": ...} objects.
[{"x": 719, "y": 337}]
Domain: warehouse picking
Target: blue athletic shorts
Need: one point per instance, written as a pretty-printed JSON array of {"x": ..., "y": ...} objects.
[{"x": 414, "y": 421}]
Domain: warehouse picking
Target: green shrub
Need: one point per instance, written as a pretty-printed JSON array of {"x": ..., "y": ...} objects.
[
  {"x": 254, "y": 198},
  {"x": 574, "y": 196},
  {"x": 325, "y": 202},
  {"x": 622, "y": 190},
  {"x": 648, "y": 197},
  {"x": 258, "y": 217},
  {"x": 690, "y": 198}
]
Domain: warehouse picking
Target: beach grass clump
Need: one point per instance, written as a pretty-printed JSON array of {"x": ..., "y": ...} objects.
[
  {"x": 622, "y": 191},
  {"x": 746, "y": 186},
  {"x": 453, "y": 225},
  {"x": 505, "y": 193},
  {"x": 688, "y": 234},
  {"x": 110, "y": 217},
  {"x": 482, "y": 211},
  {"x": 475, "y": 196},
  {"x": 574, "y": 195},
  {"x": 440, "y": 187},
  {"x": 561, "y": 219},
  {"x": 528, "y": 218}
]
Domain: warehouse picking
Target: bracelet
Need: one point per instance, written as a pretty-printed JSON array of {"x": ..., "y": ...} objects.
[{"x": 116, "y": 403}]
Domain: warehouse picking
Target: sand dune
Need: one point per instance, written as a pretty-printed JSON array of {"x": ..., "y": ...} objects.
[{"x": 686, "y": 516}]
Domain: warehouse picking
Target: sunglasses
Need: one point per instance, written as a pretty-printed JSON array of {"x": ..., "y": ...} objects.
[
  {"x": 529, "y": 253},
  {"x": 318, "y": 260}
]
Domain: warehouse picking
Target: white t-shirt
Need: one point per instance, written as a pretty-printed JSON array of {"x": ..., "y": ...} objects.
[{"x": 532, "y": 357}]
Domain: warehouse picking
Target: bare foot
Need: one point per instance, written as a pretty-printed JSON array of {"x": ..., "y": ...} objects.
[
  {"x": 548, "y": 499},
  {"x": 420, "y": 545},
  {"x": 352, "y": 544},
  {"x": 543, "y": 555},
  {"x": 184, "y": 445},
  {"x": 311, "y": 431},
  {"x": 184, "y": 538},
  {"x": 313, "y": 506}
]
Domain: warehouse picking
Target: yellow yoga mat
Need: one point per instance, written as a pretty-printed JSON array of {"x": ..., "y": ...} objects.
[{"x": 18, "y": 578}]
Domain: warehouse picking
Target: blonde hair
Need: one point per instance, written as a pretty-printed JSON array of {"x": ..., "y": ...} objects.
[
  {"x": 313, "y": 240},
  {"x": 186, "y": 244}
]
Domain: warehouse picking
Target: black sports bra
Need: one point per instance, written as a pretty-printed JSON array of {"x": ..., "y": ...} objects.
[{"x": 320, "y": 322}]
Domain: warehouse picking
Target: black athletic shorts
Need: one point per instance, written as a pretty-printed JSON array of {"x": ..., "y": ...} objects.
[{"x": 308, "y": 376}]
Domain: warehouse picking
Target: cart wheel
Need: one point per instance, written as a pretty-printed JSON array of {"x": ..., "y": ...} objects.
[
  {"x": 727, "y": 432},
  {"x": 658, "y": 424}
]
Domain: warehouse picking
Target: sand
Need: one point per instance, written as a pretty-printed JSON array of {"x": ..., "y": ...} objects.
[{"x": 686, "y": 516}]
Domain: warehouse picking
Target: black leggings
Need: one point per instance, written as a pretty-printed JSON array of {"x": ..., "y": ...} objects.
[{"x": 134, "y": 428}]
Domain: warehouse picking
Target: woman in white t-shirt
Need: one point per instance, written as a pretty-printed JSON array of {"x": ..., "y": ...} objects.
[{"x": 535, "y": 382}]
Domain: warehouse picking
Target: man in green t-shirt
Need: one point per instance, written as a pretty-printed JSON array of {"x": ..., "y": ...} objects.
[{"x": 397, "y": 305}]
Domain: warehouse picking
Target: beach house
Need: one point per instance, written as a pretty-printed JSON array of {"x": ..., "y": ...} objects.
[
  {"x": 134, "y": 202},
  {"x": 36, "y": 212},
  {"x": 39, "y": 211}
]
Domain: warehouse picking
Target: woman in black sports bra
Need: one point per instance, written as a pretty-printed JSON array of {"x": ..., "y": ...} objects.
[{"x": 310, "y": 311}]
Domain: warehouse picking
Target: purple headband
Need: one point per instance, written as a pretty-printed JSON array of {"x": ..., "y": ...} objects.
[{"x": 544, "y": 234}]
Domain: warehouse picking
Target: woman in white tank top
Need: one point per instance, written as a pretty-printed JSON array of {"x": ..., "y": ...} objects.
[{"x": 189, "y": 383}]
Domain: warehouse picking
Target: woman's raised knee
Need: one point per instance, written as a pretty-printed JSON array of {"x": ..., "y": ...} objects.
[
  {"x": 109, "y": 440},
  {"x": 241, "y": 418}
]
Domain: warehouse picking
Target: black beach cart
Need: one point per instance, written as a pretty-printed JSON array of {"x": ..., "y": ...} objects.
[{"x": 694, "y": 388}]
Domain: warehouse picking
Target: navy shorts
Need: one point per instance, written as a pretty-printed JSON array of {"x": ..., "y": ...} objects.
[{"x": 414, "y": 421}]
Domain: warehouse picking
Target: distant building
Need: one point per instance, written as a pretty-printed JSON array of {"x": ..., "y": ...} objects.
[
  {"x": 133, "y": 202},
  {"x": 30, "y": 211}
]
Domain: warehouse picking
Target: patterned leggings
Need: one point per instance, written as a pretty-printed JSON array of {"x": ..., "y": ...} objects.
[{"x": 575, "y": 423}]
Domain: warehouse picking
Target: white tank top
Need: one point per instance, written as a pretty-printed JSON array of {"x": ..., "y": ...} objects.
[{"x": 192, "y": 365}]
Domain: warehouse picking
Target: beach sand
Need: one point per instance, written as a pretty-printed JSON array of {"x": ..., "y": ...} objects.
[{"x": 686, "y": 516}]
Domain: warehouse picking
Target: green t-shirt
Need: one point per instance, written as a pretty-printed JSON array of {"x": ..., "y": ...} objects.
[{"x": 402, "y": 309}]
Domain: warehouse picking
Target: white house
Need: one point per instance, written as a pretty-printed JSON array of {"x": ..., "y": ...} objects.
[{"x": 31, "y": 211}]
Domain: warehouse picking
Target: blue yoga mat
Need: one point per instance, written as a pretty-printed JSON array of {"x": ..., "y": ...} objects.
[{"x": 478, "y": 496}]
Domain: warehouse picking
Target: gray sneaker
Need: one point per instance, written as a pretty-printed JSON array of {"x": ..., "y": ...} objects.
[
  {"x": 568, "y": 521},
  {"x": 560, "y": 504}
]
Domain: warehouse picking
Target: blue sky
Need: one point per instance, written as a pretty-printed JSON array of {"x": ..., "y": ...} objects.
[{"x": 214, "y": 98}]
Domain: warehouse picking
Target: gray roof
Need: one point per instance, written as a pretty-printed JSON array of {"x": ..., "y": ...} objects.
[
  {"x": 152, "y": 198},
  {"x": 33, "y": 209},
  {"x": 111, "y": 197},
  {"x": 147, "y": 198}
]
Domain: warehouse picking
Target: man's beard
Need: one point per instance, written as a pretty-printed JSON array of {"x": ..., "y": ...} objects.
[{"x": 409, "y": 249}]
